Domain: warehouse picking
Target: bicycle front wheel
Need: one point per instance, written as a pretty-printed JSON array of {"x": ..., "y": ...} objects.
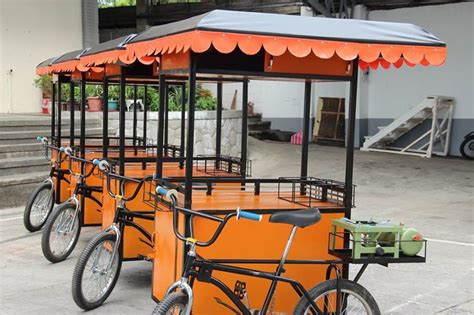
[
  {"x": 173, "y": 304},
  {"x": 96, "y": 272},
  {"x": 61, "y": 233},
  {"x": 355, "y": 299},
  {"x": 38, "y": 207}
]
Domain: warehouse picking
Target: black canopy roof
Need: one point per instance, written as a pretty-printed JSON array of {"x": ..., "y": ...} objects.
[
  {"x": 73, "y": 55},
  {"x": 297, "y": 26},
  {"x": 118, "y": 43}
]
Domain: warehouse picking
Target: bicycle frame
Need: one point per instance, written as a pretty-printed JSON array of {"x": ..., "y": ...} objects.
[{"x": 201, "y": 269}]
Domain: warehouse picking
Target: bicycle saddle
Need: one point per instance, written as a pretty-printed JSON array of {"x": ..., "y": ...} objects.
[{"x": 301, "y": 218}]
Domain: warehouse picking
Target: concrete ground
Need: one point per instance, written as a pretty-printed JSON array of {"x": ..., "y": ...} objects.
[{"x": 434, "y": 195}]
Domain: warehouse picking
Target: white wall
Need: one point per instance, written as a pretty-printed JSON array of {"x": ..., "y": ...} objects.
[
  {"x": 392, "y": 92},
  {"x": 30, "y": 32}
]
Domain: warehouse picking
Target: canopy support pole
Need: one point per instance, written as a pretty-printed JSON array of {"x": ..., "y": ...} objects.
[
  {"x": 71, "y": 111},
  {"x": 135, "y": 91},
  {"x": 166, "y": 104},
  {"x": 58, "y": 142},
  {"x": 305, "y": 142},
  {"x": 243, "y": 152},
  {"x": 82, "y": 140},
  {"x": 350, "y": 138},
  {"x": 183, "y": 125},
  {"x": 161, "y": 118},
  {"x": 145, "y": 118},
  {"x": 188, "y": 194},
  {"x": 219, "y": 121},
  {"x": 53, "y": 110},
  {"x": 145, "y": 114},
  {"x": 105, "y": 118},
  {"x": 123, "y": 106}
]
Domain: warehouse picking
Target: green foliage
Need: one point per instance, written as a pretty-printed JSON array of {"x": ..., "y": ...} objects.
[
  {"x": 115, "y": 3},
  {"x": 44, "y": 83}
]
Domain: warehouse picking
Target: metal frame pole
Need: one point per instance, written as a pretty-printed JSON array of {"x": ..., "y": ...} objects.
[
  {"x": 53, "y": 110},
  {"x": 145, "y": 114},
  {"x": 243, "y": 153},
  {"x": 105, "y": 119},
  {"x": 306, "y": 121},
  {"x": 123, "y": 106},
  {"x": 71, "y": 109},
  {"x": 350, "y": 138},
  {"x": 161, "y": 114},
  {"x": 58, "y": 142},
  {"x": 188, "y": 194},
  {"x": 183, "y": 125},
  {"x": 82, "y": 141},
  {"x": 167, "y": 99},
  {"x": 135, "y": 92},
  {"x": 219, "y": 120}
]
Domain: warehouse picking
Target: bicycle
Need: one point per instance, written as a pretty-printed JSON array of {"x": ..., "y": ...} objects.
[
  {"x": 62, "y": 229},
  {"x": 333, "y": 296},
  {"x": 98, "y": 268},
  {"x": 41, "y": 201}
]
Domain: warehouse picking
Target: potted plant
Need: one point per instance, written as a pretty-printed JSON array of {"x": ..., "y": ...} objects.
[
  {"x": 94, "y": 97},
  {"x": 44, "y": 83},
  {"x": 112, "y": 102}
]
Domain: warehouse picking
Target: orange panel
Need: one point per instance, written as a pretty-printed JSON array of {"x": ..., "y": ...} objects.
[
  {"x": 112, "y": 70},
  {"x": 287, "y": 63},
  {"x": 175, "y": 61},
  {"x": 244, "y": 240}
]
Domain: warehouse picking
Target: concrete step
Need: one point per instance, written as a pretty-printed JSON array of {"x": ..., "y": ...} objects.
[
  {"x": 16, "y": 137},
  {"x": 20, "y": 150},
  {"x": 16, "y": 189},
  {"x": 23, "y": 165}
]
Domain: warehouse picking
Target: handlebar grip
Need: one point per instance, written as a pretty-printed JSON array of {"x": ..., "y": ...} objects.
[
  {"x": 167, "y": 193},
  {"x": 96, "y": 162},
  {"x": 248, "y": 215},
  {"x": 62, "y": 149},
  {"x": 161, "y": 191}
]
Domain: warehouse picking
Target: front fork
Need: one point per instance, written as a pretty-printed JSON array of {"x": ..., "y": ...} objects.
[{"x": 183, "y": 283}]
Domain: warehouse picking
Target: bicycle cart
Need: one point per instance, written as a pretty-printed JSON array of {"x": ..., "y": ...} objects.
[
  {"x": 225, "y": 45},
  {"x": 139, "y": 223}
]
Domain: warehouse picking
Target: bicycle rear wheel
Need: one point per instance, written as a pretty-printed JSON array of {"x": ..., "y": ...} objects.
[
  {"x": 173, "y": 304},
  {"x": 92, "y": 281},
  {"x": 38, "y": 207},
  {"x": 61, "y": 233},
  {"x": 355, "y": 299}
]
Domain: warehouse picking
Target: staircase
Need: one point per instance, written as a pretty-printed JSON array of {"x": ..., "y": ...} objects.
[
  {"x": 22, "y": 161},
  {"x": 437, "y": 108},
  {"x": 257, "y": 128}
]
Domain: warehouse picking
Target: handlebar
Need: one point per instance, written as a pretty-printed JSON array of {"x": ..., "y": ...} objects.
[
  {"x": 172, "y": 195},
  {"x": 104, "y": 166}
]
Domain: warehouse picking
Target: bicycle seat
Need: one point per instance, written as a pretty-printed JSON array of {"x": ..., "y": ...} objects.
[{"x": 301, "y": 218}]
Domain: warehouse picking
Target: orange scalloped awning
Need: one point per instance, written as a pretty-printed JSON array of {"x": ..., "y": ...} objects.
[{"x": 368, "y": 54}]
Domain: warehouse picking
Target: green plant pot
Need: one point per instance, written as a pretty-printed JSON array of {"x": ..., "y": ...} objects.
[{"x": 112, "y": 105}]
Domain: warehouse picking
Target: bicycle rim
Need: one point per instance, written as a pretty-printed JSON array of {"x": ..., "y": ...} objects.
[
  {"x": 96, "y": 279},
  {"x": 40, "y": 208},
  {"x": 63, "y": 232},
  {"x": 351, "y": 303}
]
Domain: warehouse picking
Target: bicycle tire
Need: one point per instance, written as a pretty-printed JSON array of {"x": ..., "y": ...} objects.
[
  {"x": 77, "y": 292},
  {"x": 169, "y": 302},
  {"x": 346, "y": 286},
  {"x": 46, "y": 247},
  {"x": 27, "y": 222}
]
